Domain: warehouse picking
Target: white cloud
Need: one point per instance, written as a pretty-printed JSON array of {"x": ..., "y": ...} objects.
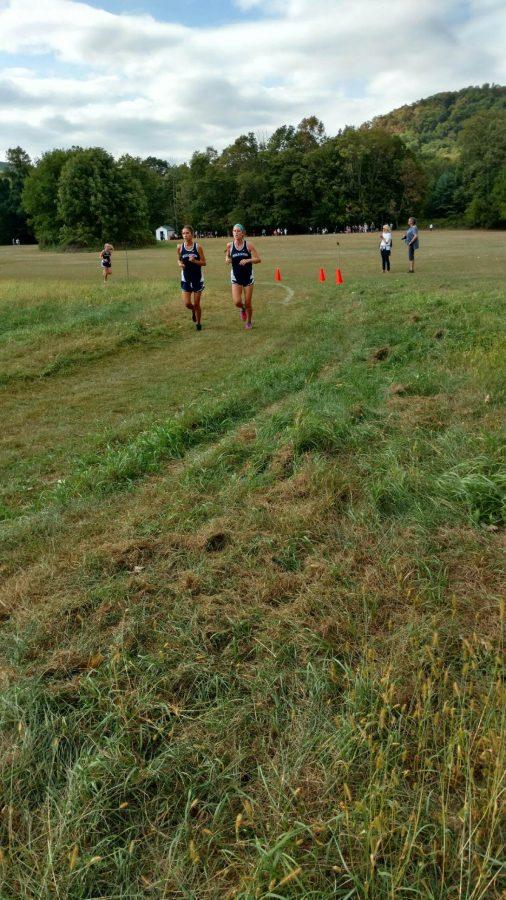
[{"x": 164, "y": 88}]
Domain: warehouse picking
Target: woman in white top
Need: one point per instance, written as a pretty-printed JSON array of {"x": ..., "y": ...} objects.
[{"x": 386, "y": 247}]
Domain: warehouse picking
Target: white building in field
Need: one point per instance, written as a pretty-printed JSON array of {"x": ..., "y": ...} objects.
[{"x": 165, "y": 233}]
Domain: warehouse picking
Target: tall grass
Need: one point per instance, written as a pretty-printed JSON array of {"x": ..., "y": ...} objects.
[{"x": 252, "y": 636}]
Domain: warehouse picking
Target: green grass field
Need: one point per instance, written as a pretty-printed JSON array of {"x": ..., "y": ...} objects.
[{"x": 252, "y": 601}]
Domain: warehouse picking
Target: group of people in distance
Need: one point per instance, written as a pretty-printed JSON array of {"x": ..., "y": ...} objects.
[
  {"x": 412, "y": 243},
  {"x": 241, "y": 256}
]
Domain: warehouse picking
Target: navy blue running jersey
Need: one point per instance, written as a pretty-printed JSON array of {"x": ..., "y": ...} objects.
[
  {"x": 191, "y": 274},
  {"x": 241, "y": 274}
]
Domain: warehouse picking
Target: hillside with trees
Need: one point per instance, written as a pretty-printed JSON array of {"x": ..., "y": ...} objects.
[
  {"x": 443, "y": 158},
  {"x": 433, "y": 127},
  {"x": 460, "y": 139}
]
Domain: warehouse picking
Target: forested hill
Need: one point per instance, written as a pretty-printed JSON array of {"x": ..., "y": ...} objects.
[{"x": 432, "y": 126}]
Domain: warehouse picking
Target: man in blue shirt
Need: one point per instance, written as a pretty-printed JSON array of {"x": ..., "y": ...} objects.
[{"x": 411, "y": 238}]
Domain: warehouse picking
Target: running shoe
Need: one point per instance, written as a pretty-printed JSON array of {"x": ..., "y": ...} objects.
[
  {"x": 249, "y": 325},
  {"x": 199, "y": 326},
  {"x": 244, "y": 314}
]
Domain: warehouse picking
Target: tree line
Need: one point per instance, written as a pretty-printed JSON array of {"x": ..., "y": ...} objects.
[{"x": 299, "y": 178}]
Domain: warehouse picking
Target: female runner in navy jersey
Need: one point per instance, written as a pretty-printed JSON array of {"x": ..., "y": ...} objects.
[
  {"x": 106, "y": 261},
  {"x": 242, "y": 257},
  {"x": 191, "y": 259}
]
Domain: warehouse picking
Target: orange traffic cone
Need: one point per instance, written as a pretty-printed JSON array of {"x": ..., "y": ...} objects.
[
  {"x": 323, "y": 277},
  {"x": 277, "y": 275},
  {"x": 339, "y": 277}
]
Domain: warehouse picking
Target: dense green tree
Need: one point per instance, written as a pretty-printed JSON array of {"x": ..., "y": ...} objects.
[
  {"x": 156, "y": 183},
  {"x": 240, "y": 156},
  {"x": 40, "y": 196},
  {"x": 13, "y": 220},
  {"x": 282, "y": 138},
  {"x": 208, "y": 192},
  {"x": 498, "y": 198},
  {"x": 290, "y": 193},
  {"x": 483, "y": 157},
  {"x": 414, "y": 185},
  {"x": 290, "y": 199},
  {"x": 364, "y": 175},
  {"x": 160, "y": 166},
  {"x": 310, "y": 133},
  {"x": 99, "y": 201},
  {"x": 439, "y": 201},
  {"x": 6, "y": 223},
  {"x": 244, "y": 165}
]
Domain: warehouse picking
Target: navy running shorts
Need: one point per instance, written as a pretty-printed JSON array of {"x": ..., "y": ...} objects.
[
  {"x": 244, "y": 281},
  {"x": 192, "y": 287}
]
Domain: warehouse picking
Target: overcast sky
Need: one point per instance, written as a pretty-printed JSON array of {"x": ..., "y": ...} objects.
[{"x": 166, "y": 78}]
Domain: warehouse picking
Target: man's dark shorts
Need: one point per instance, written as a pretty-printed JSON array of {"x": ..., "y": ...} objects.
[{"x": 411, "y": 252}]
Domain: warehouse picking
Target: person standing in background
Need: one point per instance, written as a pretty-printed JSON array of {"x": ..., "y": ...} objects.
[
  {"x": 411, "y": 238},
  {"x": 386, "y": 248}
]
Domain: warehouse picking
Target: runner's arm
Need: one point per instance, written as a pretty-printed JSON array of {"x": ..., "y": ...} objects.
[
  {"x": 254, "y": 257},
  {"x": 202, "y": 258}
]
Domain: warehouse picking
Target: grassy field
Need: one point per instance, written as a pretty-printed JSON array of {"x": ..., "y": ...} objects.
[{"x": 252, "y": 601}]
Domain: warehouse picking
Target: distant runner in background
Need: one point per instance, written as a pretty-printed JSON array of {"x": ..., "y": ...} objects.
[
  {"x": 242, "y": 256},
  {"x": 106, "y": 260},
  {"x": 191, "y": 260}
]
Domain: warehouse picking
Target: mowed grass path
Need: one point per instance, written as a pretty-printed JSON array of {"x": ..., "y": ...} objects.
[{"x": 252, "y": 582}]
